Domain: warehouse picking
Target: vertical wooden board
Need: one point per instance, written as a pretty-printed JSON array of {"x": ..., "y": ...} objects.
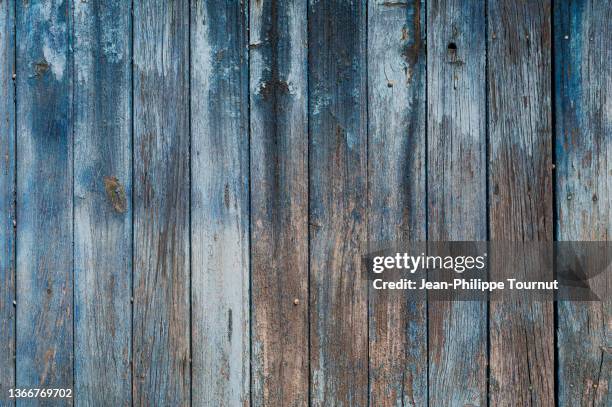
[
  {"x": 7, "y": 198},
  {"x": 456, "y": 165},
  {"x": 220, "y": 203},
  {"x": 161, "y": 337},
  {"x": 337, "y": 188},
  {"x": 396, "y": 190},
  {"x": 44, "y": 196},
  {"x": 279, "y": 202},
  {"x": 520, "y": 192},
  {"x": 583, "y": 81},
  {"x": 102, "y": 207}
]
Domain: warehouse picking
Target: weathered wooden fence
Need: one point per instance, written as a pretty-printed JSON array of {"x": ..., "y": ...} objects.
[{"x": 187, "y": 188}]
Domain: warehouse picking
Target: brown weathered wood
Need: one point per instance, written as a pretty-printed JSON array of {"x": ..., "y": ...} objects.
[
  {"x": 396, "y": 195},
  {"x": 456, "y": 182},
  {"x": 279, "y": 202},
  {"x": 7, "y": 198},
  {"x": 337, "y": 121},
  {"x": 583, "y": 79},
  {"x": 520, "y": 192},
  {"x": 161, "y": 337}
]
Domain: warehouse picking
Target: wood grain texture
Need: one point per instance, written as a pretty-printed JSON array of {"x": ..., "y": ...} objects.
[
  {"x": 44, "y": 196},
  {"x": 220, "y": 203},
  {"x": 396, "y": 195},
  {"x": 279, "y": 202},
  {"x": 520, "y": 192},
  {"x": 337, "y": 185},
  {"x": 161, "y": 337},
  {"x": 7, "y": 198},
  {"x": 278, "y": 138},
  {"x": 456, "y": 179},
  {"x": 102, "y": 215},
  {"x": 583, "y": 82}
]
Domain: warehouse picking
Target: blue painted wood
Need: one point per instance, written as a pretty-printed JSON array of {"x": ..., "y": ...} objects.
[
  {"x": 161, "y": 337},
  {"x": 456, "y": 182},
  {"x": 7, "y": 199},
  {"x": 583, "y": 82},
  {"x": 520, "y": 193},
  {"x": 367, "y": 167},
  {"x": 396, "y": 195},
  {"x": 337, "y": 195},
  {"x": 44, "y": 195},
  {"x": 220, "y": 203},
  {"x": 102, "y": 207},
  {"x": 279, "y": 202}
]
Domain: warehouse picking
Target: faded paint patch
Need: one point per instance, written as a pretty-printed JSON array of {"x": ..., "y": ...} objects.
[
  {"x": 112, "y": 45},
  {"x": 56, "y": 60}
]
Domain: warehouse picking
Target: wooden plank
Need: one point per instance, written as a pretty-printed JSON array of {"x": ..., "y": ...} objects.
[
  {"x": 220, "y": 203},
  {"x": 161, "y": 337},
  {"x": 520, "y": 192},
  {"x": 583, "y": 80},
  {"x": 338, "y": 159},
  {"x": 396, "y": 195},
  {"x": 102, "y": 207},
  {"x": 279, "y": 202},
  {"x": 7, "y": 200},
  {"x": 456, "y": 191},
  {"x": 44, "y": 196}
]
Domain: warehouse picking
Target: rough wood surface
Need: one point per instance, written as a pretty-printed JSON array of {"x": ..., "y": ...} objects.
[
  {"x": 337, "y": 180},
  {"x": 583, "y": 83},
  {"x": 520, "y": 193},
  {"x": 44, "y": 196},
  {"x": 396, "y": 196},
  {"x": 7, "y": 198},
  {"x": 220, "y": 203},
  {"x": 161, "y": 337},
  {"x": 456, "y": 180},
  {"x": 270, "y": 141},
  {"x": 279, "y": 202},
  {"x": 102, "y": 206}
]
